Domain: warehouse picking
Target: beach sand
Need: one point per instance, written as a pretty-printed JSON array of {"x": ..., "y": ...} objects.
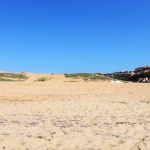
[{"x": 70, "y": 114}]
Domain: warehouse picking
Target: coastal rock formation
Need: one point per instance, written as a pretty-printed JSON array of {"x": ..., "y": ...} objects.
[
  {"x": 141, "y": 74},
  {"x": 143, "y": 69}
]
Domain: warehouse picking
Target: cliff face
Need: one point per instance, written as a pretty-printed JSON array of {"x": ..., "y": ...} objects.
[{"x": 141, "y": 74}]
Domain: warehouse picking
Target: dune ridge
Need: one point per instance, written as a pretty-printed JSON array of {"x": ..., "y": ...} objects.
[{"x": 71, "y": 114}]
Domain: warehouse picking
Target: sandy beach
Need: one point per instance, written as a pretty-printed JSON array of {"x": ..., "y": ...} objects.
[{"x": 70, "y": 114}]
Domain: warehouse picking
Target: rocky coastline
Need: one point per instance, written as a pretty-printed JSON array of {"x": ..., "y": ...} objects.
[{"x": 141, "y": 74}]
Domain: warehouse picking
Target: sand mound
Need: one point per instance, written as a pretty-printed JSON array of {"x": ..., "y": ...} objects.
[{"x": 70, "y": 114}]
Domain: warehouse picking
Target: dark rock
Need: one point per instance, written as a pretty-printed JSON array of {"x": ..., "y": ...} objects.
[{"x": 141, "y": 74}]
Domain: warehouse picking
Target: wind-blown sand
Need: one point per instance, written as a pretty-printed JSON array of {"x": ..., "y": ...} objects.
[{"x": 69, "y": 114}]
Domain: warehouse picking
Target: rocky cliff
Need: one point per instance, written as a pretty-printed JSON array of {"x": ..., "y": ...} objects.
[{"x": 141, "y": 74}]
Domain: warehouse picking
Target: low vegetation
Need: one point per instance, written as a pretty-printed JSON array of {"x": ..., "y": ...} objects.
[
  {"x": 42, "y": 79},
  {"x": 88, "y": 76},
  {"x": 12, "y": 77},
  {"x": 123, "y": 77},
  {"x": 6, "y": 80}
]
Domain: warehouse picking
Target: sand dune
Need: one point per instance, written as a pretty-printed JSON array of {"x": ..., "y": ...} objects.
[{"x": 70, "y": 114}]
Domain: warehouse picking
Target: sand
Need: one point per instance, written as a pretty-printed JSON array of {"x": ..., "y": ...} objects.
[{"x": 70, "y": 114}]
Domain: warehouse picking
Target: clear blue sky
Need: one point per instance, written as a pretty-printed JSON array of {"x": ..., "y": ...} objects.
[{"x": 67, "y": 36}]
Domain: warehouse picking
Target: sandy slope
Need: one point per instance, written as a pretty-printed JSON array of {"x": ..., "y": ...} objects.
[{"x": 69, "y": 114}]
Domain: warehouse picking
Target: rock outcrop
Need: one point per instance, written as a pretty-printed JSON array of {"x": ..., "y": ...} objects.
[{"x": 141, "y": 74}]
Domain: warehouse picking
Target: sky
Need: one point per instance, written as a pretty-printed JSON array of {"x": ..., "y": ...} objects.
[{"x": 70, "y": 36}]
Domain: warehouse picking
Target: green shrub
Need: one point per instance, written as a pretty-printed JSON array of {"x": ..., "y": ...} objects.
[
  {"x": 6, "y": 80},
  {"x": 43, "y": 79},
  {"x": 13, "y": 75},
  {"x": 88, "y": 76}
]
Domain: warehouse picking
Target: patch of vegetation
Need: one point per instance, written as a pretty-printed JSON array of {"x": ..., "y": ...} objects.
[
  {"x": 6, "y": 80},
  {"x": 43, "y": 79},
  {"x": 123, "y": 77},
  {"x": 12, "y": 77},
  {"x": 88, "y": 76}
]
